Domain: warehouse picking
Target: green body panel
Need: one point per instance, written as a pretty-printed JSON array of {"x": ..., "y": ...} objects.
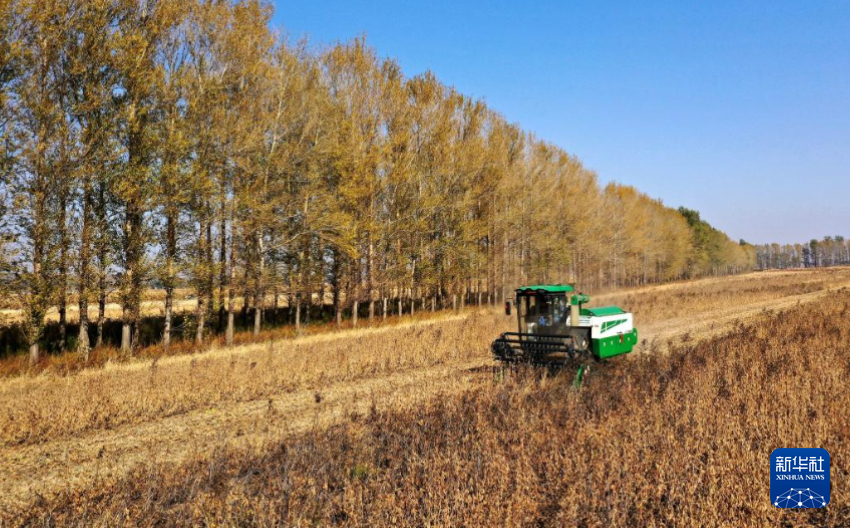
[
  {"x": 600, "y": 311},
  {"x": 611, "y": 346},
  {"x": 549, "y": 288}
]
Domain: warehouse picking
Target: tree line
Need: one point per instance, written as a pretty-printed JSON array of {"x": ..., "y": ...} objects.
[
  {"x": 186, "y": 144},
  {"x": 830, "y": 251}
]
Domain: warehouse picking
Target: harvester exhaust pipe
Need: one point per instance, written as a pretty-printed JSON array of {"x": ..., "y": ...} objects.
[
  {"x": 575, "y": 308},
  {"x": 575, "y": 313}
]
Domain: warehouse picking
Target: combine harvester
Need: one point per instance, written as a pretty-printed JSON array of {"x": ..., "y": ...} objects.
[{"x": 555, "y": 330}]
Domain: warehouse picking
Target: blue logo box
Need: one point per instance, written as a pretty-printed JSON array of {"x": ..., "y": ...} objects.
[{"x": 799, "y": 477}]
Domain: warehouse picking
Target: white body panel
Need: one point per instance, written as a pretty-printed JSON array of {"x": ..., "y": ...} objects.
[{"x": 606, "y": 325}]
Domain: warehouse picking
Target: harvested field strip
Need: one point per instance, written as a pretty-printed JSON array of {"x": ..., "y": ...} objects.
[
  {"x": 687, "y": 299},
  {"x": 45, "y": 407}
]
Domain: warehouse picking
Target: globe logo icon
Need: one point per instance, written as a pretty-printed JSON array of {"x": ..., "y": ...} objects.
[{"x": 800, "y": 498}]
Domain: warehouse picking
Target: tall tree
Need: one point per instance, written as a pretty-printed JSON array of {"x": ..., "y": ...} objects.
[
  {"x": 89, "y": 86},
  {"x": 39, "y": 129},
  {"x": 173, "y": 189},
  {"x": 141, "y": 29}
]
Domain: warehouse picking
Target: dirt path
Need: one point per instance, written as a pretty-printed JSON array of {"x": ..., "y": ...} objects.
[{"x": 28, "y": 472}]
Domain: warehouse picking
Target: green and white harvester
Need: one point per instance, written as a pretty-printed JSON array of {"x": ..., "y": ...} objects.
[{"x": 555, "y": 329}]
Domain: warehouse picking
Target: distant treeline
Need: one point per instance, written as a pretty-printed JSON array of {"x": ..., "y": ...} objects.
[
  {"x": 182, "y": 143},
  {"x": 831, "y": 251}
]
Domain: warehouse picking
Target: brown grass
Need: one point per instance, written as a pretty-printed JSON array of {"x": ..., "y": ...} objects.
[{"x": 650, "y": 440}]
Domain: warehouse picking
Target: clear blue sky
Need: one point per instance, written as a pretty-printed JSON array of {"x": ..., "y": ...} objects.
[{"x": 740, "y": 110}]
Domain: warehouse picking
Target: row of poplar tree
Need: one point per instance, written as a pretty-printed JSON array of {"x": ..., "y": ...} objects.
[
  {"x": 830, "y": 251},
  {"x": 184, "y": 143}
]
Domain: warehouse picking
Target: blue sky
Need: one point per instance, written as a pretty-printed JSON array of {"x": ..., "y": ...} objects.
[{"x": 740, "y": 110}]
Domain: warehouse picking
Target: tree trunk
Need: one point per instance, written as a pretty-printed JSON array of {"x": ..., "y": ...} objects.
[
  {"x": 200, "y": 316},
  {"x": 170, "y": 255},
  {"x": 300, "y": 287},
  {"x": 231, "y": 281},
  {"x": 63, "y": 307},
  {"x": 210, "y": 271},
  {"x": 169, "y": 310},
  {"x": 102, "y": 254},
  {"x": 101, "y": 308},
  {"x": 245, "y": 295},
  {"x": 355, "y": 312},
  {"x": 259, "y": 293},
  {"x": 137, "y": 326},
  {"x": 35, "y": 322},
  {"x": 125, "y": 334},
  {"x": 385, "y": 309},
  {"x": 336, "y": 287},
  {"x": 34, "y": 353},
  {"x": 136, "y": 278},
  {"x": 63, "y": 267},
  {"x": 258, "y": 319},
  {"x": 222, "y": 260},
  {"x": 132, "y": 283},
  {"x": 83, "y": 345},
  {"x": 297, "y": 312},
  {"x": 201, "y": 284}
]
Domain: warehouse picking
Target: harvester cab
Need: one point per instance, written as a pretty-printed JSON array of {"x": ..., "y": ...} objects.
[{"x": 555, "y": 328}]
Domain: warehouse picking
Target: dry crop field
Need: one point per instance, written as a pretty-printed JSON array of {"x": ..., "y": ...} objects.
[
  {"x": 406, "y": 425},
  {"x": 153, "y": 303}
]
